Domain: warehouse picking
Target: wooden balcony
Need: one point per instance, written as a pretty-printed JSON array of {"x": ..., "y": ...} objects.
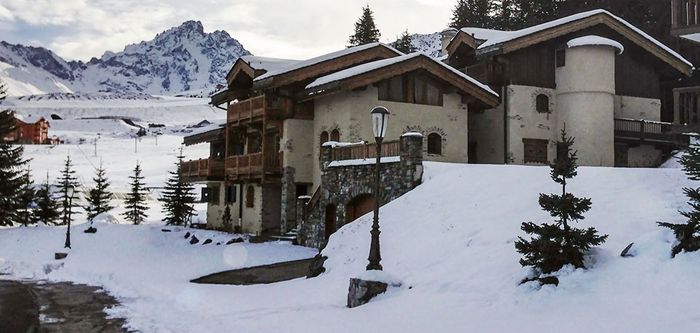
[
  {"x": 685, "y": 17},
  {"x": 259, "y": 109},
  {"x": 650, "y": 132},
  {"x": 257, "y": 166},
  {"x": 203, "y": 170}
]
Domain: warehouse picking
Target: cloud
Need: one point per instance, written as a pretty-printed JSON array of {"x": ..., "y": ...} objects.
[{"x": 81, "y": 29}]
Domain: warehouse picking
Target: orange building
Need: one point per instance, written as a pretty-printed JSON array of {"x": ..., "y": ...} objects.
[{"x": 30, "y": 130}]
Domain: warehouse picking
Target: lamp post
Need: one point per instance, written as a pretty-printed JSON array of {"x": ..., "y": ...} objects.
[
  {"x": 380, "y": 121},
  {"x": 67, "y": 216}
]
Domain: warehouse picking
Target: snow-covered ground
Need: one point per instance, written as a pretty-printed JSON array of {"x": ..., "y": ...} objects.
[{"x": 450, "y": 242}]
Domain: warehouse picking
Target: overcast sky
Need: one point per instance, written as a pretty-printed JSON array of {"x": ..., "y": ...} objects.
[{"x": 81, "y": 29}]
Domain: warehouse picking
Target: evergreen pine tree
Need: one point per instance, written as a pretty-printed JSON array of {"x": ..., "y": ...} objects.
[
  {"x": 27, "y": 197},
  {"x": 178, "y": 197},
  {"x": 688, "y": 234},
  {"x": 508, "y": 15},
  {"x": 11, "y": 163},
  {"x": 529, "y": 12},
  {"x": 365, "y": 29},
  {"x": 47, "y": 208},
  {"x": 226, "y": 219},
  {"x": 135, "y": 199},
  {"x": 67, "y": 180},
  {"x": 404, "y": 43},
  {"x": 99, "y": 196},
  {"x": 473, "y": 13},
  {"x": 557, "y": 244}
]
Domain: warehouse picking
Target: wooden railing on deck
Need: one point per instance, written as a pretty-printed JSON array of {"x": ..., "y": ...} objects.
[
  {"x": 253, "y": 165},
  {"x": 203, "y": 168},
  {"x": 259, "y": 107},
  {"x": 365, "y": 151},
  {"x": 645, "y": 130}
]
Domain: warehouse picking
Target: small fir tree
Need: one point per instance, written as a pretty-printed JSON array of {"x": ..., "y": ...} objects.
[
  {"x": 11, "y": 163},
  {"x": 555, "y": 245},
  {"x": 404, "y": 43},
  {"x": 46, "y": 207},
  {"x": 135, "y": 199},
  {"x": 226, "y": 219},
  {"x": 365, "y": 30},
  {"x": 99, "y": 197},
  {"x": 688, "y": 233},
  {"x": 473, "y": 13},
  {"x": 27, "y": 197},
  {"x": 178, "y": 197},
  {"x": 68, "y": 179}
]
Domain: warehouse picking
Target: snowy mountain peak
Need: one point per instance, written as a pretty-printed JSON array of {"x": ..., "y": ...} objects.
[{"x": 179, "y": 59}]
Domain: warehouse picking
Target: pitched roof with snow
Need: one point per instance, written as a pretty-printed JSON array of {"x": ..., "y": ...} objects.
[
  {"x": 496, "y": 38},
  {"x": 378, "y": 70},
  {"x": 326, "y": 57},
  {"x": 267, "y": 64},
  {"x": 371, "y": 66}
]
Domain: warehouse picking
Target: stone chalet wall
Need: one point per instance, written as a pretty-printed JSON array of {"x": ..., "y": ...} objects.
[{"x": 340, "y": 184}]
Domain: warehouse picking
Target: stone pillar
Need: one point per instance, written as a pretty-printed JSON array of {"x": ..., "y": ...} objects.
[
  {"x": 412, "y": 157},
  {"x": 326, "y": 156},
  {"x": 289, "y": 200},
  {"x": 301, "y": 203}
]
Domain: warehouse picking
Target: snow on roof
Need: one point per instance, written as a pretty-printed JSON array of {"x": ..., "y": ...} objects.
[
  {"x": 207, "y": 128},
  {"x": 370, "y": 66},
  {"x": 595, "y": 40},
  {"x": 319, "y": 59},
  {"x": 267, "y": 64},
  {"x": 694, "y": 37},
  {"x": 30, "y": 119},
  {"x": 495, "y": 37}
]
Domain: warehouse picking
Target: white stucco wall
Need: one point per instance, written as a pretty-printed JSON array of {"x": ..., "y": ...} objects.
[
  {"x": 349, "y": 112},
  {"x": 215, "y": 211},
  {"x": 298, "y": 148},
  {"x": 252, "y": 216},
  {"x": 586, "y": 103},
  {"x": 524, "y": 122},
  {"x": 637, "y": 108}
]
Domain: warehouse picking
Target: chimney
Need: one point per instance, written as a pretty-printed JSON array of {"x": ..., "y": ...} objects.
[{"x": 446, "y": 37}]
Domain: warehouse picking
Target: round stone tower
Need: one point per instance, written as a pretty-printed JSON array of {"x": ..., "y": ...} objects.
[{"x": 586, "y": 97}]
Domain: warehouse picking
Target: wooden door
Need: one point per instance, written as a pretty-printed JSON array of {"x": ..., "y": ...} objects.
[{"x": 359, "y": 206}]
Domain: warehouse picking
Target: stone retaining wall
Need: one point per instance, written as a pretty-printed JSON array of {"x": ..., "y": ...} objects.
[{"x": 342, "y": 183}]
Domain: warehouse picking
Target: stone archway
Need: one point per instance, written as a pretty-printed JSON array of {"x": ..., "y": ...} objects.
[
  {"x": 358, "y": 206},
  {"x": 331, "y": 214}
]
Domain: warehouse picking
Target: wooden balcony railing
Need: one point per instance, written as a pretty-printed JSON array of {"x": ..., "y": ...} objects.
[
  {"x": 685, "y": 16},
  {"x": 365, "y": 151},
  {"x": 203, "y": 169},
  {"x": 258, "y": 108},
  {"x": 253, "y": 166},
  {"x": 652, "y": 131}
]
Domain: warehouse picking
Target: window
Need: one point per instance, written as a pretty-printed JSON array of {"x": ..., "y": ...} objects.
[
  {"x": 250, "y": 196},
  {"x": 324, "y": 137},
  {"x": 212, "y": 194},
  {"x": 535, "y": 151},
  {"x": 542, "y": 103},
  {"x": 254, "y": 143},
  {"x": 335, "y": 135},
  {"x": 205, "y": 194},
  {"x": 414, "y": 88},
  {"x": 426, "y": 92},
  {"x": 560, "y": 57},
  {"x": 230, "y": 195},
  {"x": 392, "y": 90},
  {"x": 434, "y": 144}
]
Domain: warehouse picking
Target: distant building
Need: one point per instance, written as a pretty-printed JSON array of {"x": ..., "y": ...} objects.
[{"x": 30, "y": 130}]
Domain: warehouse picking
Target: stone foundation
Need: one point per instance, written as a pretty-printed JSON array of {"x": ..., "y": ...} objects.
[
  {"x": 361, "y": 291},
  {"x": 342, "y": 183}
]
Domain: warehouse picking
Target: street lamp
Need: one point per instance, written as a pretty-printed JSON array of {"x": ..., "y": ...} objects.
[
  {"x": 380, "y": 122},
  {"x": 67, "y": 215}
]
